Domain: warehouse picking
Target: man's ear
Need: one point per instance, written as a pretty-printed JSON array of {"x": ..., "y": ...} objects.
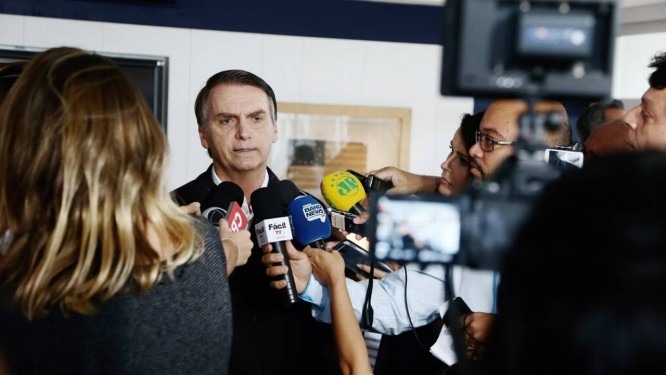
[
  {"x": 202, "y": 137},
  {"x": 275, "y": 132}
]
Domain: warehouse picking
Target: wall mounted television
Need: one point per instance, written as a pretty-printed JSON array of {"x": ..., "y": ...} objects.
[{"x": 150, "y": 73}]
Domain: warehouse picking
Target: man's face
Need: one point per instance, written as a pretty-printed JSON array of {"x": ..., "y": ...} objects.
[
  {"x": 239, "y": 129},
  {"x": 648, "y": 120},
  {"x": 500, "y": 122}
]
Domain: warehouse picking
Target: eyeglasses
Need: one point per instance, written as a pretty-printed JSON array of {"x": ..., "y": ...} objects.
[{"x": 488, "y": 143}]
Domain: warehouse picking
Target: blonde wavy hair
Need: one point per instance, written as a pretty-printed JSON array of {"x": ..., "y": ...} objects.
[{"x": 82, "y": 165}]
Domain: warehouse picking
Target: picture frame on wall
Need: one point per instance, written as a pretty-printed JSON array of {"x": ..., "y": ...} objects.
[{"x": 318, "y": 139}]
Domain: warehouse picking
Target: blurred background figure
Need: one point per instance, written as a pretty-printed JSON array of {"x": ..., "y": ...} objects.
[
  {"x": 101, "y": 272},
  {"x": 597, "y": 114},
  {"x": 593, "y": 305}
]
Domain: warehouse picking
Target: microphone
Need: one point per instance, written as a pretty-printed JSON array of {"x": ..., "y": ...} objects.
[
  {"x": 310, "y": 222},
  {"x": 274, "y": 228},
  {"x": 343, "y": 191},
  {"x": 216, "y": 205},
  {"x": 345, "y": 221}
]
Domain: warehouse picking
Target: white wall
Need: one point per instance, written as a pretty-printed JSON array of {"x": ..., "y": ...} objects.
[{"x": 300, "y": 69}]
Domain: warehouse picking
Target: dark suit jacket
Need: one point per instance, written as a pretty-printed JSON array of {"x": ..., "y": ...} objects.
[{"x": 268, "y": 337}]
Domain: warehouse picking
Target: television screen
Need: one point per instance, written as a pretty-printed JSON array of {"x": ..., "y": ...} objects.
[{"x": 148, "y": 72}]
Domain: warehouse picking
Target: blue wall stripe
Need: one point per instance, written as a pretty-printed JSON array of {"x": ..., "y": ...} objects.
[{"x": 343, "y": 19}]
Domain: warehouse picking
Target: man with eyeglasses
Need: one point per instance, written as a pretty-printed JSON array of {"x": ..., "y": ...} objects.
[{"x": 499, "y": 130}]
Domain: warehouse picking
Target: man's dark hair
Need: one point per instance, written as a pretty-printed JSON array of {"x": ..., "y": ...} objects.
[
  {"x": 658, "y": 77},
  {"x": 469, "y": 125},
  {"x": 234, "y": 77},
  {"x": 595, "y": 115}
]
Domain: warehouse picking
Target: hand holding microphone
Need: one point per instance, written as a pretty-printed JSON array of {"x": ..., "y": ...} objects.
[
  {"x": 221, "y": 207},
  {"x": 299, "y": 265},
  {"x": 275, "y": 229},
  {"x": 221, "y": 200},
  {"x": 237, "y": 246}
]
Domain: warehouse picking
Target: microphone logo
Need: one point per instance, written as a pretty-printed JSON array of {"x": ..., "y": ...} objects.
[
  {"x": 345, "y": 183},
  {"x": 314, "y": 212}
]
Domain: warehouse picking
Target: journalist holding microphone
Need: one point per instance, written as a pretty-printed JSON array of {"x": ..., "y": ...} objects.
[{"x": 100, "y": 272}]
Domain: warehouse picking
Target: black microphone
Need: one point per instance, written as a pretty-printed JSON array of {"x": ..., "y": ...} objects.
[
  {"x": 215, "y": 205},
  {"x": 275, "y": 228}
]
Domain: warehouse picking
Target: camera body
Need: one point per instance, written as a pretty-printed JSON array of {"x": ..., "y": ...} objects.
[
  {"x": 473, "y": 229},
  {"x": 547, "y": 48}
]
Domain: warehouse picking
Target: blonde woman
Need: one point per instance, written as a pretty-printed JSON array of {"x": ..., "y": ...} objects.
[{"x": 102, "y": 273}]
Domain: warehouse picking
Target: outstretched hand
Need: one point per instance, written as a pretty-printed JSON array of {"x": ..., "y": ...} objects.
[{"x": 405, "y": 182}]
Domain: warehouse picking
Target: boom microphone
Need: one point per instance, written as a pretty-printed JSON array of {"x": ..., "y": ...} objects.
[
  {"x": 310, "y": 222},
  {"x": 216, "y": 204},
  {"x": 343, "y": 191},
  {"x": 274, "y": 228}
]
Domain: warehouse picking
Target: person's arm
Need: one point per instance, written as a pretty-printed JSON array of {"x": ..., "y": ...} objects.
[
  {"x": 405, "y": 182},
  {"x": 237, "y": 246},
  {"x": 329, "y": 268},
  {"x": 425, "y": 292}
]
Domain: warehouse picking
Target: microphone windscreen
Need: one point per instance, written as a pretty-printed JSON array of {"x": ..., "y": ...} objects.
[
  {"x": 222, "y": 195},
  {"x": 287, "y": 191},
  {"x": 342, "y": 190},
  {"x": 265, "y": 204},
  {"x": 310, "y": 220}
]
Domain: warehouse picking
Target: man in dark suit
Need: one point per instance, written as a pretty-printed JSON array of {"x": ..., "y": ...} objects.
[{"x": 236, "y": 114}]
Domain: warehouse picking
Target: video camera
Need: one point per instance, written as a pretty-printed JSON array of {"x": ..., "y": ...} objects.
[{"x": 530, "y": 50}]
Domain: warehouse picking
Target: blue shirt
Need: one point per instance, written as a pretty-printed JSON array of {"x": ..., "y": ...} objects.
[{"x": 425, "y": 296}]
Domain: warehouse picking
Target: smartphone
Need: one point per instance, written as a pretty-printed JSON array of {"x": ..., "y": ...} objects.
[
  {"x": 236, "y": 217},
  {"x": 353, "y": 254},
  {"x": 457, "y": 308},
  {"x": 557, "y": 157},
  {"x": 415, "y": 228}
]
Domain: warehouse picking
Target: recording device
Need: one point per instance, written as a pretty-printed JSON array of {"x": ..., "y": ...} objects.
[
  {"x": 220, "y": 202},
  {"x": 272, "y": 226},
  {"x": 310, "y": 221},
  {"x": 545, "y": 48},
  {"x": 558, "y": 157},
  {"x": 343, "y": 191},
  {"x": 345, "y": 221},
  {"x": 415, "y": 228},
  {"x": 353, "y": 255},
  {"x": 372, "y": 183}
]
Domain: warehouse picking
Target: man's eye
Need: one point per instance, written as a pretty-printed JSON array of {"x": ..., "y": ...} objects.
[{"x": 258, "y": 118}]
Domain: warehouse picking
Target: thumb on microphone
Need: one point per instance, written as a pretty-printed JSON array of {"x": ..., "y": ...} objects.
[
  {"x": 300, "y": 265},
  {"x": 237, "y": 246}
]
